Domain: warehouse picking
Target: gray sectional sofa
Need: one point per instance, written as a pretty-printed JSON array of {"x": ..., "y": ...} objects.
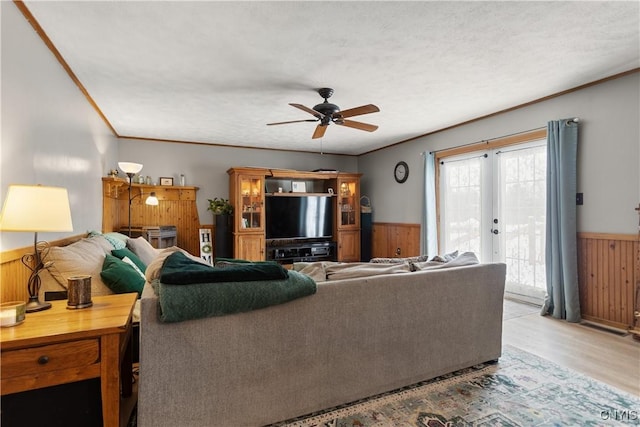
[{"x": 353, "y": 338}]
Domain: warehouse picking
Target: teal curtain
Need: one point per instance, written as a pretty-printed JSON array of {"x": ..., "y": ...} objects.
[
  {"x": 428, "y": 229},
  {"x": 562, "y": 300}
]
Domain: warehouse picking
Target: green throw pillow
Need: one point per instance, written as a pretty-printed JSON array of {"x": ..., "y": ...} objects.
[
  {"x": 121, "y": 253},
  {"x": 120, "y": 277}
]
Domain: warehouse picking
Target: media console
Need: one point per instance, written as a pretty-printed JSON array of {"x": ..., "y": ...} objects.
[
  {"x": 256, "y": 194},
  {"x": 288, "y": 253}
]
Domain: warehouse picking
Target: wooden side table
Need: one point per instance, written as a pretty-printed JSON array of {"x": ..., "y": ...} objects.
[{"x": 59, "y": 346}]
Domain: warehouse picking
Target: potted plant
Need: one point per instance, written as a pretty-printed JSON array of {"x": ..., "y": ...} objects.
[
  {"x": 223, "y": 218},
  {"x": 220, "y": 206}
]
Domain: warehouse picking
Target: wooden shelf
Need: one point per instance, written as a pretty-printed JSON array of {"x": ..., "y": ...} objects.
[
  {"x": 117, "y": 188},
  {"x": 292, "y": 194},
  {"x": 124, "y": 184},
  {"x": 288, "y": 173},
  {"x": 291, "y": 174}
]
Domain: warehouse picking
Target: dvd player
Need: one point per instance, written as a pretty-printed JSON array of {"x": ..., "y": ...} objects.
[{"x": 302, "y": 252}]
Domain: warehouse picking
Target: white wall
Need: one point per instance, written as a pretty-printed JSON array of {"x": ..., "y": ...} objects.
[
  {"x": 50, "y": 134},
  {"x": 608, "y": 155},
  {"x": 206, "y": 166}
]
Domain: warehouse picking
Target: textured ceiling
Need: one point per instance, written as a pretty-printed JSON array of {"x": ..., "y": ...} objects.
[{"x": 217, "y": 72}]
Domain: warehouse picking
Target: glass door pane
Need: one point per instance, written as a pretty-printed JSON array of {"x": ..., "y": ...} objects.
[
  {"x": 522, "y": 214},
  {"x": 347, "y": 199},
  {"x": 252, "y": 202},
  {"x": 461, "y": 209}
]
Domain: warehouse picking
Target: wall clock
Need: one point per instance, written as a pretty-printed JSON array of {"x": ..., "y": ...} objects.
[{"x": 401, "y": 172}]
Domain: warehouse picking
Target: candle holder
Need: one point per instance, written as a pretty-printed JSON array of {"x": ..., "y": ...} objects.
[{"x": 12, "y": 313}]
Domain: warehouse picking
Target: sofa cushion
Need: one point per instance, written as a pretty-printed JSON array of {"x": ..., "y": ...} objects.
[
  {"x": 82, "y": 257},
  {"x": 118, "y": 240},
  {"x": 126, "y": 253},
  {"x": 141, "y": 247},
  {"x": 121, "y": 277}
]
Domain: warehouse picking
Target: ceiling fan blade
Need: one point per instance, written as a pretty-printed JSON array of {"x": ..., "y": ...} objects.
[
  {"x": 363, "y": 109},
  {"x": 319, "y": 132},
  {"x": 292, "y": 121},
  {"x": 308, "y": 110},
  {"x": 357, "y": 125}
]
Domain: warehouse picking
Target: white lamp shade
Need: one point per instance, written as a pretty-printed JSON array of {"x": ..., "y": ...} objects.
[
  {"x": 152, "y": 200},
  {"x": 36, "y": 208},
  {"x": 128, "y": 167}
]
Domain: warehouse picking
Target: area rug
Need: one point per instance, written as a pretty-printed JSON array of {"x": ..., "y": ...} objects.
[{"x": 520, "y": 390}]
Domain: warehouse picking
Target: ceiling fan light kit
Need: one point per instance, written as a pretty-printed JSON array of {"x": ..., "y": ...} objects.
[{"x": 327, "y": 113}]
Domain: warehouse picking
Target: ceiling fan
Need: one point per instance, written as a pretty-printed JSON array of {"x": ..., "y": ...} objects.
[{"x": 327, "y": 113}]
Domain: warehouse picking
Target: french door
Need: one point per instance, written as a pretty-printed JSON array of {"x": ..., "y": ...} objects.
[{"x": 492, "y": 203}]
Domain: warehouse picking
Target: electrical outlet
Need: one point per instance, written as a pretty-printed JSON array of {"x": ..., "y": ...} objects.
[{"x": 579, "y": 198}]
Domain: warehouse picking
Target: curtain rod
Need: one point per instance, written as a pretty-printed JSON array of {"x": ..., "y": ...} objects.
[{"x": 486, "y": 141}]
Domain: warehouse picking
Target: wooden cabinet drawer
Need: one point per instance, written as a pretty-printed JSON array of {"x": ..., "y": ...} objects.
[{"x": 48, "y": 358}]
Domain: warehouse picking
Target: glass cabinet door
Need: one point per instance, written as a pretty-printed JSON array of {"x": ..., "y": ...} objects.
[
  {"x": 252, "y": 202},
  {"x": 348, "y": 203}
]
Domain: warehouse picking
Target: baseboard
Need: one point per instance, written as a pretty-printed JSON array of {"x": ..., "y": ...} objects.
[
  {"x": 605, "y": 328},
  {"x": 522, "y": 299}
]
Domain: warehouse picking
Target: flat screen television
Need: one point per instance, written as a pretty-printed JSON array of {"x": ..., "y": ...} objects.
[{"x": 299, "y": 217}]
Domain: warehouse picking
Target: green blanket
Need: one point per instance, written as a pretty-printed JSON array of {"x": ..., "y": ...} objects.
[
  {"x": 178, "y": 269},
  {"x": 198, "y": 300}
]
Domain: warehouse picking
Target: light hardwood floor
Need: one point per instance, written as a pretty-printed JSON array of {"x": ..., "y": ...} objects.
[{"x": 599, "y": 354}]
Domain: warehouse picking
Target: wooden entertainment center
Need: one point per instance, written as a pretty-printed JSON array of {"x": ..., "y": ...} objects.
[{"x": 248, "y": 188}]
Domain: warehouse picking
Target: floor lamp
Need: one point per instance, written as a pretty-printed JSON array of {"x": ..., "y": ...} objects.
[
  {"x": 36, "y": 208},
  {"x": 130, "y": 169}
]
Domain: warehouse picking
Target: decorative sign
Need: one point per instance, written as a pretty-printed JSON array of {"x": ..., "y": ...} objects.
[{"x": 206, "y": 245}]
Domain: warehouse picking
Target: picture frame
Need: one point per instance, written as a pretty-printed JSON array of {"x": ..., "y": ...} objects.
[
  {"x": 298, "y": 187},
  {"x": 166, "y": 180}
]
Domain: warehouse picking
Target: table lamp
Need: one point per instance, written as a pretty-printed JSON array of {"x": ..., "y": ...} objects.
[{"x": 36, "y": 208}]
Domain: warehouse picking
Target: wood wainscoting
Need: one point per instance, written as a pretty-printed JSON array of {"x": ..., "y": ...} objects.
[
  {"x": 14, "y": 275},
  {"x": 395, "y": 240},
  {"x": 177, "y": 206},
  {"x": 608, "y": 273},
  {"x": 608, "y": 269}
]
